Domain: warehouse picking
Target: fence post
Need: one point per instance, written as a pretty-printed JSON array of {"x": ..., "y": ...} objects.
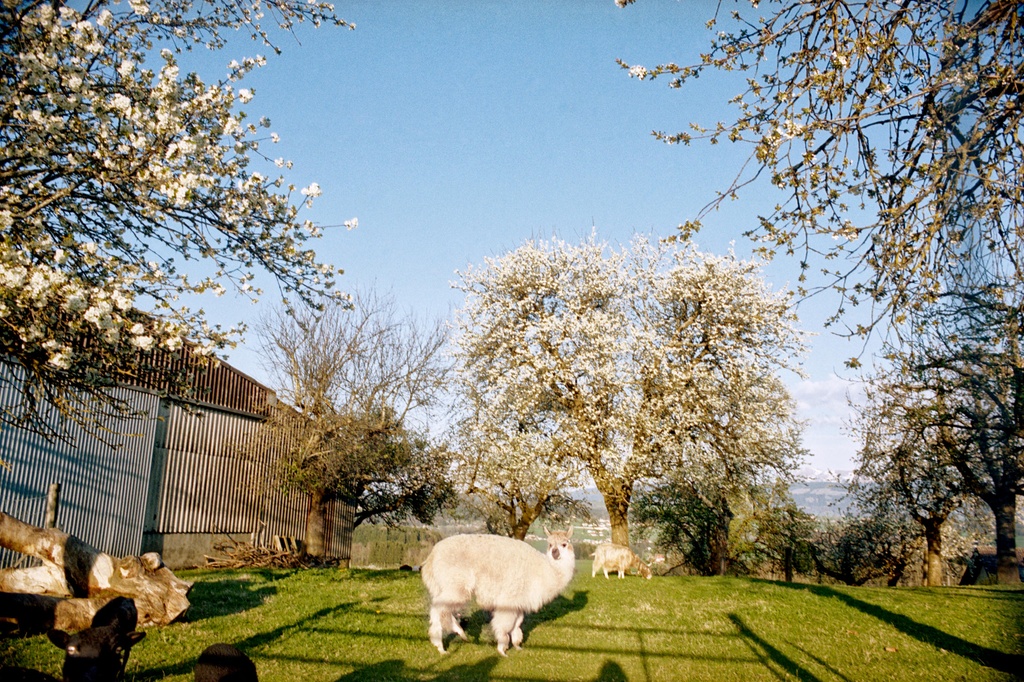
[{"x": 52, "y": 504}]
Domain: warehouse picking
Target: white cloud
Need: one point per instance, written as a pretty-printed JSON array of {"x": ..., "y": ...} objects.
[{"x": 824, "y": 406}]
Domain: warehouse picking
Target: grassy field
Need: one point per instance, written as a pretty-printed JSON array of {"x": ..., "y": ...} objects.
[{"x": 339, "y": 625}]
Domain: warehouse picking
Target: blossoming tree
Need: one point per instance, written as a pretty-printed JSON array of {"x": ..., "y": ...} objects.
[
  {"x": 126, "y": 185},
  {"x": 637, "y": 362},
  {"x": 127, "y": 188},
  {"x": 511, "y": 471},
  {"x": 891, "y": 130}
]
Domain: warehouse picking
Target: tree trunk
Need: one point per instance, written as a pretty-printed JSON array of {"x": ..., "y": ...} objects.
[
  {"x": 521, "y": 526},
  {"x": 521, "y": 515},
  {"x": 74, "y": 568},
  {"x": 720, "y": 539},
  {"x": 896, "y": 574},
  {"x": 933, "y": 552},
  {"x": 314, "y": 544},
  {"x": 1005, "y": 510},
  {"x": 617, "y": 494}
]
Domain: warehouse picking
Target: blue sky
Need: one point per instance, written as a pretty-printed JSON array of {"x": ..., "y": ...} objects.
[{"x": 455, "y": 131}]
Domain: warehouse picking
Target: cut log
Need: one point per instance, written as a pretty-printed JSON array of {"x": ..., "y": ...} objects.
[
  {"x": 73, "y": 568},
  {"x": 36, "y": 614}
]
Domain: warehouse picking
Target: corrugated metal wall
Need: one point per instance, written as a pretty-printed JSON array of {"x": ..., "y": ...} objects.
[
  {"x": 338, "y": 540},
  {"x": 206, "y": 479},
  {"x": 185, "y": 473},
  {"x": 103, "y": 485}
]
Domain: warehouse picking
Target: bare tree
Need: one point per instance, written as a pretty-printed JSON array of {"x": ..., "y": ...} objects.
[
  {"x": 358, "y": 382},
  {"x": 902, "y": 463}
]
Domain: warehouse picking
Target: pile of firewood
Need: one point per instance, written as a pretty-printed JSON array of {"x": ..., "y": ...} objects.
[
  {"x": 244, "y": 555},
  {"x": 234, "y": 554}
]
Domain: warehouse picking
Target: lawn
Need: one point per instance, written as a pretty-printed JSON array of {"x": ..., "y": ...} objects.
[{"x": 337, "y": 625}]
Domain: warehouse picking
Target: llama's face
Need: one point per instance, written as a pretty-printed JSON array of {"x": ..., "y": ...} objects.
[{"x": 559, "y": 547}]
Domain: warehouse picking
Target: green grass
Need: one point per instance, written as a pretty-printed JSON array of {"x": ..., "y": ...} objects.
[{"x": 340, "y": 625}]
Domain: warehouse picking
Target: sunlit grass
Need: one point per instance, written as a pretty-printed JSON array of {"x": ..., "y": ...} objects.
[{"x": 335, "y": 625}]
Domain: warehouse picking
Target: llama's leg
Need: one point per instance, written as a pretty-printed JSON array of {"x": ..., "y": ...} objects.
[
  {"x": 593, "y": 569},
  {"x": 456, "y": 627},
  {"x": 622, "y": 574},
  {"x": 438, "y": 615},
  {"x": 517, "y": 631},
  {"x": 606, "y": 572},
  {"x": 502, "y": 623}
]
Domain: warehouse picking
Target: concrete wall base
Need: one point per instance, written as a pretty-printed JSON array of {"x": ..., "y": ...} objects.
[{"x": 188, "y": 550}]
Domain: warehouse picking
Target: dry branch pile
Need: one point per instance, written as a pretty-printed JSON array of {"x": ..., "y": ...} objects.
[{"x": 245, "y": 555}]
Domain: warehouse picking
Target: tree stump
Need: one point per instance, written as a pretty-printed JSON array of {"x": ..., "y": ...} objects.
[{"x": 84, "y": 579}]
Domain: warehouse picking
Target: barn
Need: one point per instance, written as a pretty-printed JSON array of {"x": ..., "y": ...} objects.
[{"x": 179, "y": 484}]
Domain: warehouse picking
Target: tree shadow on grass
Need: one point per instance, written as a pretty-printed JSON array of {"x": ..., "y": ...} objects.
[
  {"x": 385, "y": 671},
  {"x": 611, "y": 672},
  {"x": 476, "y": 621},
  {"x": 560, "y": 607},
  {"x": 250, "y": 643},
  {"x": 375, "y": 575},
  {"x": 770, "y": 656},
  {"x": 990, "y": 658},
  {"x": 225, "y": 598},
  {"x": 395, "y": 671}
]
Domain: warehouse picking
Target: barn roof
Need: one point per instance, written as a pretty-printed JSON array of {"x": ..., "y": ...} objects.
[{"x": 210, "y": 381}]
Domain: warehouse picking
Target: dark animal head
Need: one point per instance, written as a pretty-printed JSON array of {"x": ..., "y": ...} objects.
[
  {"x": 119, "y": 612},
  {"x": 96, "y": 654},
  {"x": 224, "y": 663}
]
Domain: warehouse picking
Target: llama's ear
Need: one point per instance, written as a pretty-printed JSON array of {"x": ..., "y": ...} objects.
[
  {"x": 547, "y": 531},
  {"x": 569, "y": 534}
]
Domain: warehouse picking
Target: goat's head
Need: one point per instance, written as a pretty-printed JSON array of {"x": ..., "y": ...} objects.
[{"x": 96, "y": 654}]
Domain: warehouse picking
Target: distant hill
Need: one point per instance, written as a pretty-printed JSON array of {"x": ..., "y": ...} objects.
[
  {"x": 818, "y": 493},
  {"x": 820, "y": 498}
]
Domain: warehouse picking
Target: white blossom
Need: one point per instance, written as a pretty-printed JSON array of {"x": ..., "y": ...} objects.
[
  {"x": 604, "y": 358},
  {"x": 143, "y": 342},
  {"x": 118, "y": 149},
  {"x": 121, "y": 102}
]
